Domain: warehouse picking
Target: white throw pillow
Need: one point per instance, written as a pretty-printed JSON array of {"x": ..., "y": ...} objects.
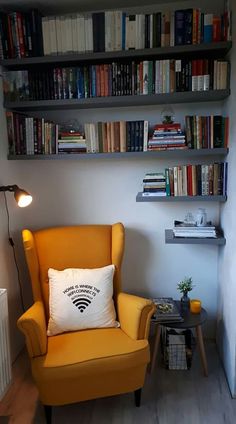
[{"x": 80, "y": 299}]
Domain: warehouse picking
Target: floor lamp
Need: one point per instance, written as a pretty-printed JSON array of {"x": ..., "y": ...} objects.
[{"x": 23, "y": 199}]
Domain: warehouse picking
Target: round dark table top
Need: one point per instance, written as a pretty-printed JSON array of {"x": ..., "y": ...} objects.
[{"x": 190, "y": 320}]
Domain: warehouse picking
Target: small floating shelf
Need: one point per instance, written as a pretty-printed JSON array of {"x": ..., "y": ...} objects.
[
  {"x": 141, "y": 198},
  {"x": 170, "y": 239}
]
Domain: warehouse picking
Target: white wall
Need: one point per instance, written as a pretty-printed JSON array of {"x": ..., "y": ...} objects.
[
  {"x": 103, "y": 191},
  {"x": 226, "y": 329},
  {"x": 8, "y": 274}
]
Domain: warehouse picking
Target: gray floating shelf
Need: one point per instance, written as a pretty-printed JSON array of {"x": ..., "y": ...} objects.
[
  {"x": 119, "y": 101},
  {"x": 220, "y": 48},
  {"x": 141, "y": 198},
  {"x": 170, "y": 239},
  {"x": 191, "y": 153}
]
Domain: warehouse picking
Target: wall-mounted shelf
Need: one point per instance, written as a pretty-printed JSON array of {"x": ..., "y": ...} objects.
[
  {"x": 119, "y": 101},
  {"x": 191, "y": 153},
  {"x": 170, "y": 239},
  {"x": 141, "y": 198},
  {"x": 211, "y": 49}
]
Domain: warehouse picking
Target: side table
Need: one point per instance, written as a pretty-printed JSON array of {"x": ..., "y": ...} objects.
[{"x": 190, "y": 321}]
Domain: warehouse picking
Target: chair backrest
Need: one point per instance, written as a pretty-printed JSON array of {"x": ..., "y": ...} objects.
[{"x": 82, "y": 246}]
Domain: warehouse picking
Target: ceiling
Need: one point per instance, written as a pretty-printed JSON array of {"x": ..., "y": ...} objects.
[{"x": 67, "y": 6}]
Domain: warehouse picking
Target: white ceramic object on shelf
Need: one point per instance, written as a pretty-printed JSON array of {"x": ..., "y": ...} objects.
[{"x": 201, "y": 220}]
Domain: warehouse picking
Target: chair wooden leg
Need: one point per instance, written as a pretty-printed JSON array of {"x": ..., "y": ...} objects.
[
  {"x": 137, "y": 397},
  {"x": 48, "y": 414}
]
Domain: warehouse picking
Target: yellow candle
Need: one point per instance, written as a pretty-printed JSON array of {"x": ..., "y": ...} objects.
[{"x": 195, "y": 306}]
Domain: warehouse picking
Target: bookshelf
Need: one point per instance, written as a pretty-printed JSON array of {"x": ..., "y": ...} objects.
[
  {"x": 170, "y": 239},
  {"x": 190, "y": 153},
  {"x": 210, "y": 49},
  {"x": 118, "y": 101}
]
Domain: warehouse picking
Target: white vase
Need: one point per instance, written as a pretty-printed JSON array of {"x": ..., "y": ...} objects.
[{"x": 201, "y": 217}]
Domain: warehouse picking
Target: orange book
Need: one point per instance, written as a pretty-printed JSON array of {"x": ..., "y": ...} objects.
[
  {"x": 109, "y": 137},
  {"x": 226, "y": 132},
  {"x": 194, "y": 26},
  {"x": 122, "y": 136}
]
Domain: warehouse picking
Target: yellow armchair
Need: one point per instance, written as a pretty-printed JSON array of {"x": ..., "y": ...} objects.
[{"x": 88, "y": 364}]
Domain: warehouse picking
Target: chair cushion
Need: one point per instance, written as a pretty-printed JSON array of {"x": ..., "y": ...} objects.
[
  {"x": 92, "y": 349},
  {"x": 80, "y": 299}
]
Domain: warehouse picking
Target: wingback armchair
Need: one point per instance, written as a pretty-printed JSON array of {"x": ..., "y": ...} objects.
[{"x": 88, "y": 364}]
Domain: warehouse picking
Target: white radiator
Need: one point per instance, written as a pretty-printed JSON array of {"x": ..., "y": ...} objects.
[{"x": 5, "y": 359}]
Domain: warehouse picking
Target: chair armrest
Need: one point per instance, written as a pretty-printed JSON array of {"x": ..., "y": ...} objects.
[
  {"x": 134, "y": 314},
  {"x": 33, "y": 324}
]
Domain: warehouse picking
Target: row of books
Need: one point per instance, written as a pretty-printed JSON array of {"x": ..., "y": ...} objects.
[
  {"x": 28, "y": 135},
  {"x": 119, "y": 136},
  {"x": 116, "y": 79},
  {"x": 167, "y": 136},
  {"x": 188, "y": 231},
  {"x": 188, "y": 180},
  {"x": 21, "y": 34},
  {"x": 116, "y": 30},
  {"x": 207, "y": 131},
  {"x": 30, "y": 34}
]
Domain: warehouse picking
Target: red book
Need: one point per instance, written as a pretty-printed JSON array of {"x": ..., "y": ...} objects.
[
  {"x": 106, "y": 79},
  {"x": 200, "y": 78},
  {"x": 102, "y": 74},
  {"x": 198, "y": 35},
  {"x": 171, "y": 176},
  {"x": 117, "y": 136},
  {"x": 216, "y": 28},
  {"x": 189, "y": 180},
  {"x": 167, "y": 127},
  {"x": 20, "y": 33}
]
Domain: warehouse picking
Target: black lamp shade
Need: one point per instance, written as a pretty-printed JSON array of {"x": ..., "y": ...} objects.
[{"x": 22, "y": 197}]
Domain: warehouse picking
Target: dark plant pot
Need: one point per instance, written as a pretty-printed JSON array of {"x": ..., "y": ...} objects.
[{"x": 185, "y": 301}]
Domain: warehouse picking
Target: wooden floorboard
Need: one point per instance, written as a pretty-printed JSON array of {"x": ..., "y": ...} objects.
[{"x": 169, "y": 397}]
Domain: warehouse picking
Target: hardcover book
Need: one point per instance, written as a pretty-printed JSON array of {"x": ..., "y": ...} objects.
[{"x": 166, "y": 310}]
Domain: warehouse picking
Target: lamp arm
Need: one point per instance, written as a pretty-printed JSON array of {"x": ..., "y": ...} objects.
[{"x": 13, "y": 188}]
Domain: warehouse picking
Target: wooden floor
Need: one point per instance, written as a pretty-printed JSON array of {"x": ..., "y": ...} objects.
[{"x": 169, "y": 397}]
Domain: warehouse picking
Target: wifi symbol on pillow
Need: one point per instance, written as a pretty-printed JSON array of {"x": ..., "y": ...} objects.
[{"x": 81, "y": 303}]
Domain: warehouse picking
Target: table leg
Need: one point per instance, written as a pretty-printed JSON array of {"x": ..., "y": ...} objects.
[
  {"x": 202, "y": 349},
  {"x": 156, "y": 347}
]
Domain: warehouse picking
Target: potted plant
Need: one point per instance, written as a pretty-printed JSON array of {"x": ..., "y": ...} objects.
[{"x": 185, "y": 286}]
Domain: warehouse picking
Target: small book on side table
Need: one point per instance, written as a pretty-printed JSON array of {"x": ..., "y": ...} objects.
[{"x": 166, "y": 310}]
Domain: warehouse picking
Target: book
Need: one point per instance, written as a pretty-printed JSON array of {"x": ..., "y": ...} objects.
[{"x": 166, "y": 310}]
